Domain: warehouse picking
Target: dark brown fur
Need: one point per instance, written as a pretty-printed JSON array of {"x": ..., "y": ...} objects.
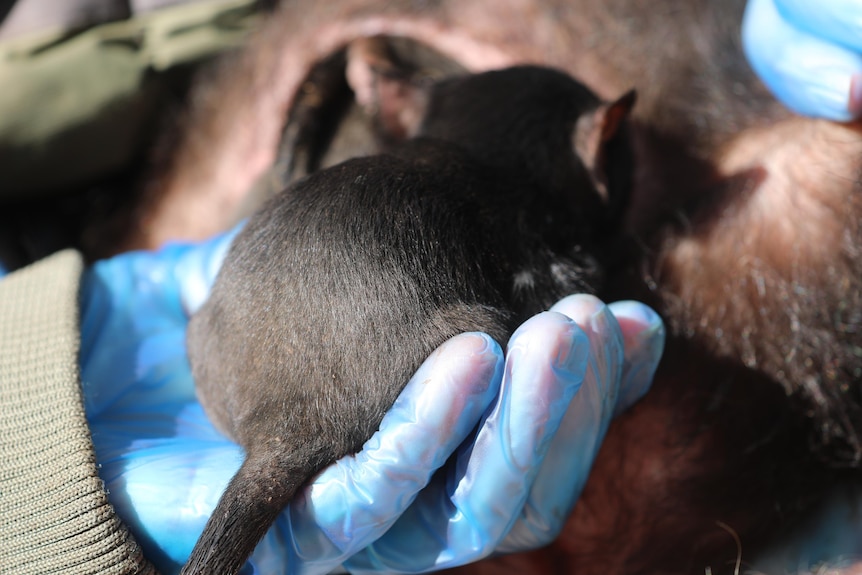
[
  {"x": 745, "y": 223},
  {"x": 340, "y": 286}
]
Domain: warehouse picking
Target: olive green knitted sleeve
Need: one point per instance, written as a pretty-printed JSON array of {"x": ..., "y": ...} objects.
[
  {"x": 77, "y": 104},
  {"x": 54, "y": 513}
]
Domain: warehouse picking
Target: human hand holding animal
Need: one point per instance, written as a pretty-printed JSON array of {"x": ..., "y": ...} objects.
[
  {"x": 808, "y": 53},
  {"x": 165, "y": 465}
]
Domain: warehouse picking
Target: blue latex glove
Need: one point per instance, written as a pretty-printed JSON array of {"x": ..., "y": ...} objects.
[
  {"x": 809, "y": 53},
  {"x": 541, "y": 413}
]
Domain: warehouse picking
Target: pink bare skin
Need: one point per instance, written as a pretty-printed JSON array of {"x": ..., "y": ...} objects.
[{"x": 746, "y": 219}]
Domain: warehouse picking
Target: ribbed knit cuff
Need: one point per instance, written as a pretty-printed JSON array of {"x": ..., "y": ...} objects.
[{"x": 54, "y": 512}]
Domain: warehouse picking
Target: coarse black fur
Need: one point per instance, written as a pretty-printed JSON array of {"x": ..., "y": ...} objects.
[{"x": 340, "y": 286}]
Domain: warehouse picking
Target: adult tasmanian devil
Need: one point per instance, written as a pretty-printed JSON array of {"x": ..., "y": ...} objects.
[{"x": 746, "y": 228}]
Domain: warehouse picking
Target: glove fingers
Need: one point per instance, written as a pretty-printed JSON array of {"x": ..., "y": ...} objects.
[
  {"x": 463, "y": 515},
  {"x": 643, "y": 341},
  {"x": 576, "y": 444},
  {"x": 355, "y": 501},
  {"x": 565, "y": 468},
  {"x": 546, "y": 364},
  {"x": 606, "y": 343},
  {"x": 839, "y": 21},
  {"x": 808, "y": 74}
]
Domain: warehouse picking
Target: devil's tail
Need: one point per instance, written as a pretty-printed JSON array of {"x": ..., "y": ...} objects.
[{"x": 258, "y": 492}]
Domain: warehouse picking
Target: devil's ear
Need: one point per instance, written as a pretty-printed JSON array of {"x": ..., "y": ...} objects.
[
  {"x": 596, "y": 133},
  {"x": 386, "y": 88}
]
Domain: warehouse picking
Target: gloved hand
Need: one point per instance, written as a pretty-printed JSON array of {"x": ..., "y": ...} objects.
[
  {"x": 808, "y": 53},
  {"x": 523, "y": 430}
]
